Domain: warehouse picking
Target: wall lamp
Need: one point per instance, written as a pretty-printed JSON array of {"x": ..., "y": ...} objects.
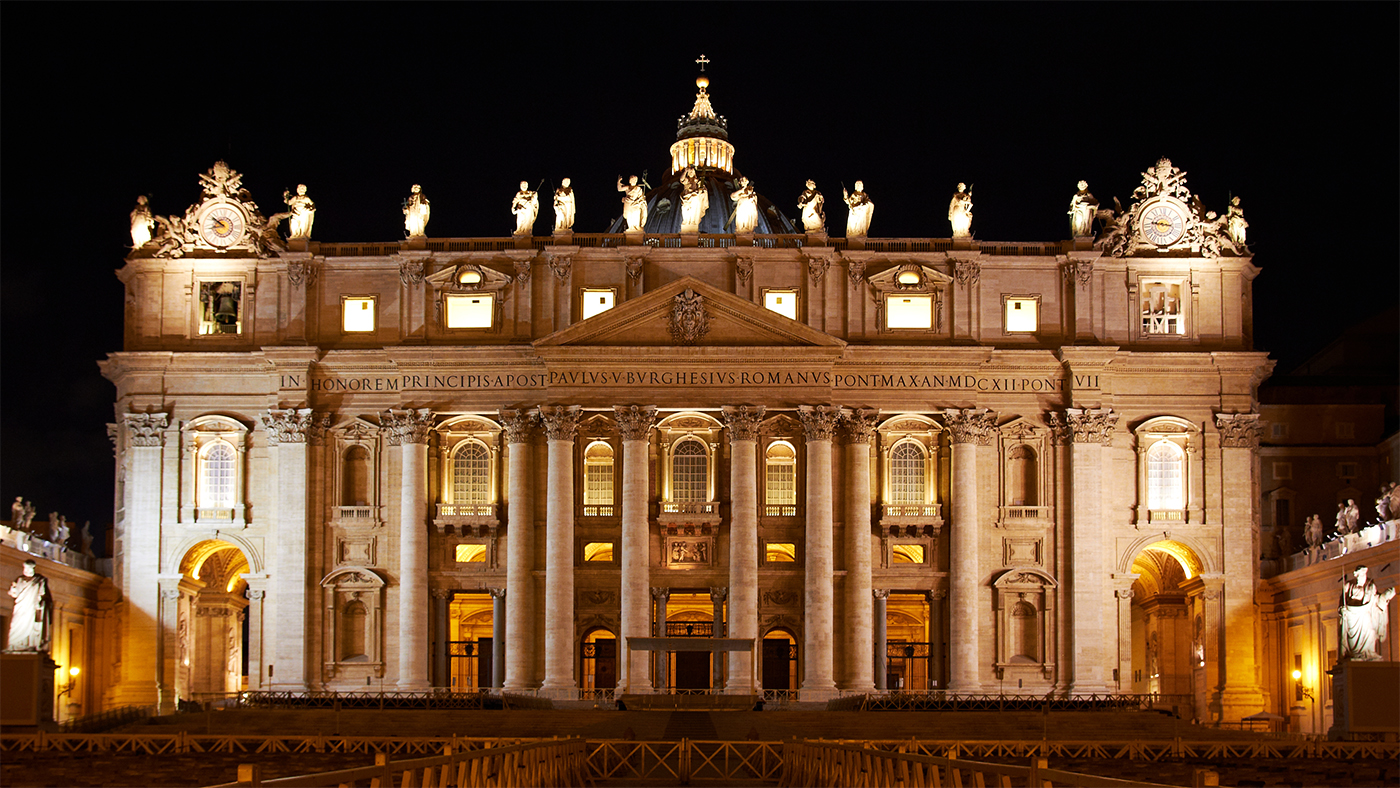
[
  {"x": 1301, "y": 688},
  {"x": 72, "y": 682}
]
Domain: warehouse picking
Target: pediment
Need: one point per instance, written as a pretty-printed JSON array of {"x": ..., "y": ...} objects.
[
  {"x": 355, "y": 428},
  {"x": 916, "y": 278},
  {"x": 688, "y": 312}
]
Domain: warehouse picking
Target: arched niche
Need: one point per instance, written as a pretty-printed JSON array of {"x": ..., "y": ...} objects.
[
  {"x": 1025, "y": 624},
  {"x": 353, "y": 642}
]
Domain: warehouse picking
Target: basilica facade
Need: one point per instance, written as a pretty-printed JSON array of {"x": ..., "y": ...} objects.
[{"x": 690, "y": 453}]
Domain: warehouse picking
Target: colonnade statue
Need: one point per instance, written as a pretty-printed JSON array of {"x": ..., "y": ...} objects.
[
  {"x": 31, "y": 624},
  {"x": 526, "y": 207},
  {"x": 1361, "y": 617},
  {"x": 416, "y": 212},
  {"x": 564, "y": 206},
  {"x": 861, "y": 211}
]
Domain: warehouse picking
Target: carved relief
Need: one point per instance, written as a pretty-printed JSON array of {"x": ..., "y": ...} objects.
[
  {"x": 859, "y": 424},
  {"x": 689, "y": 320},
  {"x": 1239, "y": 430},
  {"x": 684, "y": 552},
  {"x": 301, "y": 272},
  {"x": 411, "y": 272},
  {"x": 290, "y": 426},
  {"x": 560, "y": 421},
  {"x": 743, "y": 266},
  {"x": 743, "y": 421},
  {"x": 967, "y": 272},
  {"x": 1080, "y": 271},
  {"x": 817, "y": 266},
  {"x": 855, "y": 271},
  {"x": 1059, "y": 428},
  {"x": 146, "y": 429},
  {"x": 522, "y": 271},
  {"x": 782, "y": 598},
  {"x": 518, "y": 424},
  {"x": 971, "y": 425},
  {"x": 819, "y": 421},
  {"x": 561, "y": 264},
  {"x": 635, "y": 421},
  {"x": 634, "y": 266},
  {"x": 407, "y": 427},
  {"x": 596, "y": 597},
  {"x": 1092, "y": 425}
]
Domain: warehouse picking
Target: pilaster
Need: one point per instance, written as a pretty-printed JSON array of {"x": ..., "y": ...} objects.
[
  {"x": 1091, "y": 430},
  {"x": 1239, "y": 449},
  {"x": 141, "y": 531},
  {"x": 409, "y": 430},
  {"x": 287, "y": 434},
  {"x": 969, "y": 429}
]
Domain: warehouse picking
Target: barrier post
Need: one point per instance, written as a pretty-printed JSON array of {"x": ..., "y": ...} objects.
[
  {"x": 1204, "y": 778},
  {"x": 249, "y": 774}
]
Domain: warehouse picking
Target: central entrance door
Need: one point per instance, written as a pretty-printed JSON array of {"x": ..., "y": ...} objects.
[{"x": 779, "y": 661}]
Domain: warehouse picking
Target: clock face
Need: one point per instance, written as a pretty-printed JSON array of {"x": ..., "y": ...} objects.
[
  {"x": 1162, "y": 224},
  {"x": 221, "y": 226}
]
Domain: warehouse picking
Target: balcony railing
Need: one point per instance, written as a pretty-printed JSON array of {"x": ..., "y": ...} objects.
[
  {"x": 780, "y": 510},
  {"x": 1166, "y": 515},
  {"x": 925, "y": 510},
  {"x": 1037, "y": 513},
  {"x": 690, "y": 507},
  {"x": 607, "y": 510},
  {"x": 354, "y": 512},
  {"x": 203, "y": 514},
  {"x": 466, "y": 510}
]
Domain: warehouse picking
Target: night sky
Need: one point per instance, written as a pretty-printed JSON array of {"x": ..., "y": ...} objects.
[{"x": 1291, "y": 106}]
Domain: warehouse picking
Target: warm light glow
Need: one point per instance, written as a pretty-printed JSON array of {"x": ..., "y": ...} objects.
[
  {"x": 598, "y": 551},
  {"x": 596, "y": 302},
  {"x": 908, "y": 277},
  {"x": 1022, "y": 314},
  {"x": 471, "y": 553},
  {"x": 909, "y": 312},
  {"x": 469, "y": 311},
  {"x": 781, "y": 552},
  {"x": 74, "y": 672},
  {"x": 357, "y": 313},
  {"x": 469, "y": 277},
  {"x": 908, "y": 554},
  {"x": 784, "y": 302}
]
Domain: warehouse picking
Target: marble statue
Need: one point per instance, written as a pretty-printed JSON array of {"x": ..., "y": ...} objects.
[
  {"x": 17, "y": 511},
  {"x": 1235, "y": 223},
  {"x": 564, "y": 207},
  {"x": 1347, "y": 516},
  {"x": 813, "y": 208},
  {"x": 303, "y": 212},
  {"x": 31, "y": 623},
  {"x": 745, "y": 207},
  {"x": 960, "y": 212},
  {"x": 1082, "y": 208},
  {"x": 1361, "y": 617},
  {"x": 860, "y": 211},
  {"x": 1312, "y": 532},
  {"x": 62, "y": 533},
  {"x": 87, "y": 538},
  {"x": 29, "y": 512},
  {"x": 142, "y": 223},
  {"x": 634, "y": 204},
  {"x": 695, "y": 200},
  {"x": 526, "y": 207},
  {"x": 416, "y": 212}
]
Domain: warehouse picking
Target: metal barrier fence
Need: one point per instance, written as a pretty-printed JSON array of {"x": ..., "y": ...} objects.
[
  {"x": 944, "y": 700},
  {"x": 106, "y": 720}
]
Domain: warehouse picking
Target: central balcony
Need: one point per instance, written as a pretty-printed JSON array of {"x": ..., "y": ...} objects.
[
  {"x": 466, "y": 517},
  {"x": 683, "y": 512}
]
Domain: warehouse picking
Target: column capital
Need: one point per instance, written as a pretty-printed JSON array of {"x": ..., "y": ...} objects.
[
  {"x": 146, "y": 429},
  {"x": 719, "y": 594},
  {"x": 1060, "y": 433},
  {"x": 635, "y": 421},
  {"x": 1091, "y": 425},
  {"x": 294, "y": 425},
  {"x": 407, "y": 427},
  {"x": 858, "y": 424},
  {"x": 518, "y": 423},
  {"x": 660, "y": 594},
  {"x": 971, "y": 425},
  {"x": 560, "y": 421},
  {"x": 819, "y": 421},
  {"x": 1239, "y": 430},
  {"x": 880, "y": 593},
  {"x": 743, "y": 421},
  {"x": 441, "y": 593},
  {"x": 497, "y": 593}
]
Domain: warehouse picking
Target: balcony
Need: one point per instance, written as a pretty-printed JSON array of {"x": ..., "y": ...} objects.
[
  {"x": 1166, "y": 515},
  {"x": 1027, "y": 515},
  {"x": 682, "y": 512},
  {"x": 465, "y": 518},
  {"x": 599, "y": 510},
  {"x": 358, "y": 514},
  {"x": 906, "y": 511},
  {"x": 780, "y": 510}
]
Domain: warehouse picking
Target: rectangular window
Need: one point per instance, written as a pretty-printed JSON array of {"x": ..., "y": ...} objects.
[
  {"x": 780, "y": 553},
  {"x": 1163, "y": 311},
  {"x": 1346, "y": 430},
  {"x": 220, "y": 308},
  {"x": 784, "y": 302},
  {"x": 1283, "y": 470},
  {"x": 1021, "y": 314},
  {"x": 357, "y": 314},
  {"x": 908, "y": 554},
  {"x": 909, "y": 311},
  {"x": 598, "y": 552},
  {"x": 469, "y": 311},
  {"x": 471, "y": 553},
  {"x": 597, "y": 301}
]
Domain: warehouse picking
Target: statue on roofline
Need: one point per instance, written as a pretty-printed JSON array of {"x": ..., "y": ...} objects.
[
  {"x": 303, "y": 212},
  {"x": 695, "y": 200},
  {"x": 1082, "y": 207},
  {"x": 745, "y": 207},
  {"x": 564, "y": 206},
  {"x": 141, "y": 223},
  {"x": 526, "y": 207},
  {"x": 634, "y": 204},
  {"x": 960, "y": 212},
  {"x": 416, "y": 212},
  {"x": 813, "y": 208},
  {"x": 860, "y": 210}
]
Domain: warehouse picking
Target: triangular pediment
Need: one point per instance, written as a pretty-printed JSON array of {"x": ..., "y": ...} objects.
[{"x": 688, "y": 312}]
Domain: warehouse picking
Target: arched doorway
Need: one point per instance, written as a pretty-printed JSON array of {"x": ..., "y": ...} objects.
[
  {"x": 779, "y": 660},
  {"x": 598, "y": 660},
  {"x": 210, "y": 625},
  {"x": 469, "y": 645},
  {"x": 1167, "y": 624}
]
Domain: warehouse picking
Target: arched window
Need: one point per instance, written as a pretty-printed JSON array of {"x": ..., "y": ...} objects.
[
  {"x": 1022, "y": 472},
  {"x": 1165, "y": 476},
  {"x": 780, "y": 480},
  {"x": 690, "y": 472},
  {"x": 471, "y": 474},
  {"x": 908, "y": 474},
  {"x": 352, "y": 632},
  {"x": 216, "y": 476},
  {"x": 354, "y": 487},
  {"x": 598, "y": 474}
]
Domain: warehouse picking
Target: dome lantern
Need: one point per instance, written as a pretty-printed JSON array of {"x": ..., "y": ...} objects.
[{"x": 702, "y": 137}]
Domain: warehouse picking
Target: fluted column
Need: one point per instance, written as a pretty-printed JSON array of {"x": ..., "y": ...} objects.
[
  {"x": 1091, "y": 430},
  {"x": 859, "y": 424},
  {"x": 408, "y": 429},
  {"x": 1239, "y": 447},
  {"x": 498, "y": 637},
  {"x": 634, "y": 422},
  {"x": 520, "y": 547},
  {"x": 881, "y": 597},
  {"x": 661, "y": 597},
  {"x": 717, "y": 597},
  {"x": 560, "y": 424},
  {"x": 743, "y": 422},
  {"x": 968, "y": 428},
  {"x": 287, "y": 433},
  {"x": 819, "y": 423},
  {"x": 140, "y": 534}
]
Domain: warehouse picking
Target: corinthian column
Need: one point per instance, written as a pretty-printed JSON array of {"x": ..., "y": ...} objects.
[
  {"x": 819, "y": 423},
  {"x": 1091, "y": 663},
  {"x": 968, "y": 428},
  {"x": 635, "y": 424},
  {"x": 1239, "y": 448},
  {"x": 520, "y": 543},
  {"x": 743, "y": 421},
  {"x": 408, "y": 429},
  {"x": 287, "y": 433},
  {"x": 140, "y": 536},
  {"x": 560, "y": 425},
  {"x": 860, "y": 671}
]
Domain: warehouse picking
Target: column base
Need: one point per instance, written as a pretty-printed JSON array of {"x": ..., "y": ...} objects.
[
  {"x": 817, "y": 694},
  {"x": 418, "y": 685},
  {"x": 1236, "y": 703}
]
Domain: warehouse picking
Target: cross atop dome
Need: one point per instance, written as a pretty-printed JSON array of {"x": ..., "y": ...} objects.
[{"x": 702, "y": 60}]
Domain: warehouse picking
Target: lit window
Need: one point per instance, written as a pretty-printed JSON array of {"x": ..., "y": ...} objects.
[
  {"x": 908, "y": 475},
  {"x": 1022, "y": 313},
  {"x": 471, "y": 474},
  {"x": 784, "y": 302},
  {"x": 471, "y": 553},
  {"x": 357, "y": 313},
  {"x": 1162, "y": 308},
  {"x": 598, "y": 477},
  {"x": 908, "y": 554},
  {"x": 780, "y": 480},
  {"x": 780, "y": 553},
  {"x": 469, "y": 276},
  {"x": 221, "y": 308},
  {"x": 909, "y": 311},
  {"x": 596, "y": 302},
  {"x": 599, "y": 552},
  {"x": 469, "y": 311},
  {"x": 910, "y": 278},
  {"x": 216, "y": 476},
  {"x": 1165, "y": 488},
  {"x": 690, "y": 472}
]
